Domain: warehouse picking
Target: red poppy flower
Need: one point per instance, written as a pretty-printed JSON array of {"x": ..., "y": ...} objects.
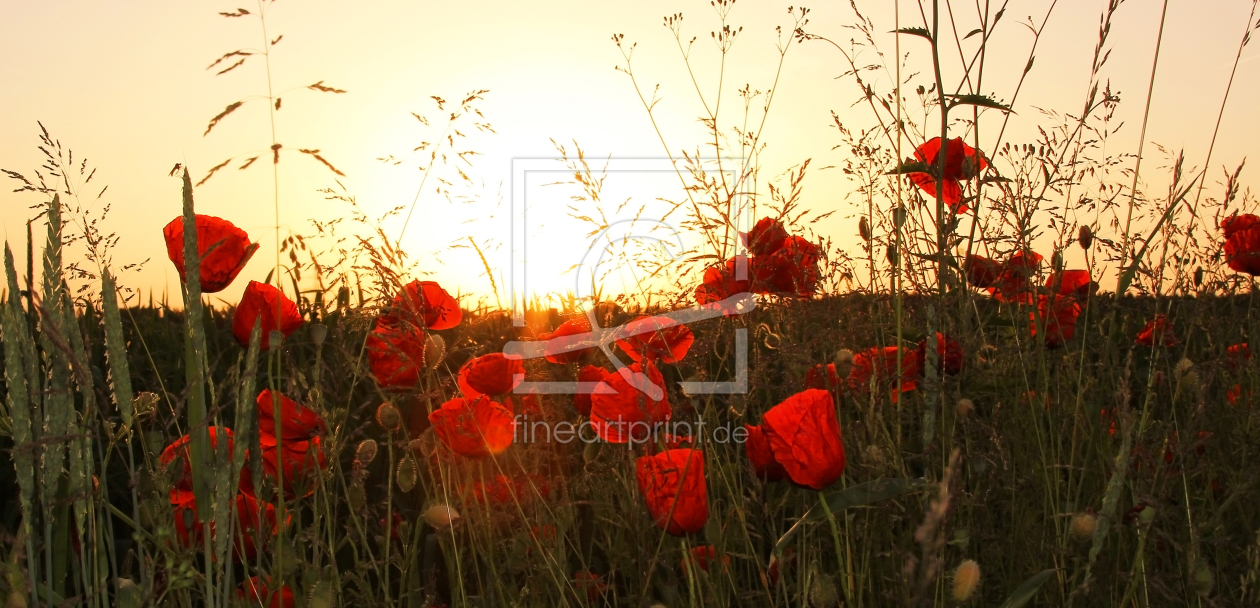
[
  {"x": 1236, "y": 354},
  {"x": 804, "y": 434},
  {"x": 255, "y": 593},
  {"x": 504, "y": 490},
  {"x": 791, "y": 270},
  {"x": 656, "y": 338},
  {"x": 822, "y": 377},
  {"x": 425, "y": 303},
  {"x": 562, "y": 348},
  {"x": 223, "y": 248},
  {"x": 582, "y": 401},
  {"x": 1075, "y": 283},
  {"x": 789, "y": 560},
  {"x": 297, "y": 422},
  {"x": 982, "y": 272},
  {"x": 961, "y": 162},
  {"x": 474, "y": 426},
  {"x": 1014, "y": 284},
  {"x": 949, "y": 356},
  {"x": 255, "y": 520},
  {"x": 622, "y": 410},
  {"x": 260, "y": 301},
  {"x": 1235, "y": 393},
  {"x": 761, "y": 455},
  {"x": 720, "y": 281},
  {"x": 302, "y": 461},
  {"x": 702, "y": 555},
  {"x": 178, "y": 450},
  {"x": 881, "y": 364},
  {"x": 395, "y": 350},
  {"x": 492, "y": 374},
  {"x": 590, "y": 583},
  {"x": 1242, "y": 243},
  {"x": 766, "y": 236},
  {"x": 1157, "y": 330},
  {"x": 672, "y": 482},
  {"x": 1058, "y": 313}
]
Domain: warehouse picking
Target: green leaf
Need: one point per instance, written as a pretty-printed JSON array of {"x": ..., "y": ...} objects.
[
  {"x": 860, "y": 495},
  {"x": 914, "y": 31},
  {"x": 1027, "y": 589},
  {"x": 983, "y": 101}
]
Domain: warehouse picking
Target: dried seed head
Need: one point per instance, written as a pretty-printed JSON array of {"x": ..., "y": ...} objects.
[
  {"x": 773, "y": 341},
  {"x": 1198, "y": 277},
  {"x": 966, "y": 579},
  {"x": 1084, "y": 525},
  {"x": 899, "y": 216},
  {"x": 864, "y": 229},
  {"x": 1183, "y": 366},
  {"x": 366, "y": 452},
  {"x": 965, "y": 407},
  {"x": 434, "y": 350},
  {"x": 388, "y": 417},
  {"x": 416, "y": 446},
  {"x": 1085, "y": 238},
  {"x": 319, "y": 331},
  {"x": 441, "y": 516}
]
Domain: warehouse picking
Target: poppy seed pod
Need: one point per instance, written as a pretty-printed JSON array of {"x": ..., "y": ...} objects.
[
  {"x": 319, "y": 331},
  {"x": 899, "y": 216},
  {"x": 366, "y": 452},
  {"x": 843, "y": 361},
  {"x": 864, "y": 229},
  {"x": 966, "y": 579},
  {"x": 1085, "y": 238},
  {"x": 965, "y": 407},
  {"x": 388, "y": 417}
]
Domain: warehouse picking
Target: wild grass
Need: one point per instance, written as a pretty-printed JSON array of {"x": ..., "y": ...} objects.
[{"x": 1102, "y": 473}]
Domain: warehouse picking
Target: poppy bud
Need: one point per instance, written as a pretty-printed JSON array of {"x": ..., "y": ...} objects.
[
  {"x": 388, "y": 417},
  {"x": 966, "y": 579},
  {"x": 893, "y": 258},
  {"x": 319, "y": 331},
  {"x": 965, "y": 407},
  {"x": 366, "y": 452},
  {"x": 434, "y": 349},
  {"x": 440, "y": 516},
  {"x": 1198, "y": 277},
  {"x": 407, "y": 474},
  {"x": 275, "y": 339},
  {"x": 1084, "y": 525},
  {"x": 355, "y": 496},
  {"x": 864, "y": 229},
  {"x": 1203, "y": 578},
  {"x": 1085, "y": 238},
  {"x": 899, "y": 216},
  {"x": 843, "y": 361}
]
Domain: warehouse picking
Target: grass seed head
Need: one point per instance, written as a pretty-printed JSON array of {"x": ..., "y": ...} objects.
[{"x": 966, "y": 580}]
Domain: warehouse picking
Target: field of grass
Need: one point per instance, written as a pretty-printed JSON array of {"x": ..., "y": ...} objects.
[{"x": 946, "y": 414}]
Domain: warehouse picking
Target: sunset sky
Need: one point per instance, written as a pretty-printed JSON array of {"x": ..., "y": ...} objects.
[{"x": 125, "y": 85}]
